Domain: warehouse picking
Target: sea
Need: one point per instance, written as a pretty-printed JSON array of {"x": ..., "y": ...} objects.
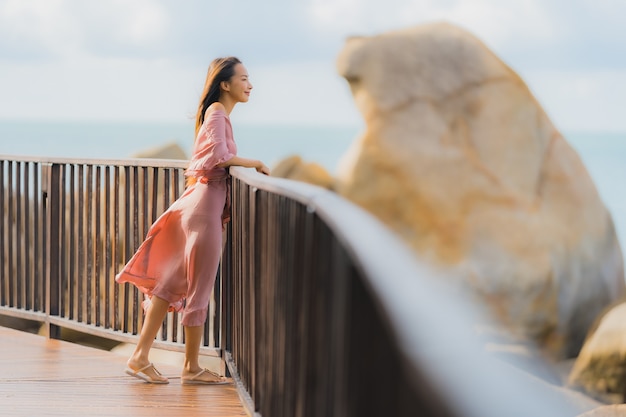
[{"x": 604, "y": 154}]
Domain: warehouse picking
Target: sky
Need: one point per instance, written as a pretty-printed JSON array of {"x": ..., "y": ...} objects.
[{"x": 146, "y": 60}]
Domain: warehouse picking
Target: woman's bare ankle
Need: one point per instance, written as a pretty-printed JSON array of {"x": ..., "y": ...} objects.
[{"x": 137, "y": 362}]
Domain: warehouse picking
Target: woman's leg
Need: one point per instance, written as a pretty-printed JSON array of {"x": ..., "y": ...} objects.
[
  {"x": 204, "y": 248},
  {"x": 154, "y": 318},
  {"x": 193, "y": 339}
]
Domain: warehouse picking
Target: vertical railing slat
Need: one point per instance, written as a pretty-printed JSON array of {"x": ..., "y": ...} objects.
[
  {"x": 64, "y": 236},
  {"x": 88, "y": 242},
  {"x": 53, "y": 192},
  {"x": 4, "y": 238},
  {"x": 127, "y": 247},
  {"x": 175, "y": 319},
  {"x": 80, "y": 244},
  {"x": 116, "y": 251},
  {"x": 166, "y": 203},
  {"x": 19, "y": 236},
  {"x": 28, "y": 240},
  {"x": 38, "y": 270},
  {"x": 108, "y": 259},
  {"x": 12, "y": 237},
  {"x": 135, "y": 238},
  {"x": 72, "y": 284},
  {"x": 98, "y": 276}
]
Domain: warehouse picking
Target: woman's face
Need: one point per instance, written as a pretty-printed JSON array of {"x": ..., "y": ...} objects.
[{"x": 239, "y": 85}]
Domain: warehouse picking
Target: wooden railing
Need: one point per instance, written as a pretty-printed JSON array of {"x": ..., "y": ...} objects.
[
  {"x": 67, "y": 227},
  {"x": 329, "y": 314},
  {"x": 324, "y": 312}
]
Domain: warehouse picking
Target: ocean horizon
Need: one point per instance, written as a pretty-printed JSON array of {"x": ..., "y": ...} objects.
[
  {"x": 114, "y": 140},
  {"x": 603, "y": 153}
]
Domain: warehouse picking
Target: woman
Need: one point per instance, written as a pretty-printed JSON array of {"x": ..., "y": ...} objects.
[{"x": 180, "y": 256}]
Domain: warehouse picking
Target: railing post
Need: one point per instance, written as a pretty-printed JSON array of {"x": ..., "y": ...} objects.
[
  {"x": 51, "y": 188},
  {"x": 226, "y": 287},
  {"x": 224, "y": 305}
]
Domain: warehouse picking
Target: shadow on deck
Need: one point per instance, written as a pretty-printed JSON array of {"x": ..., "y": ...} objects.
[{"x": 47, "y": 377}]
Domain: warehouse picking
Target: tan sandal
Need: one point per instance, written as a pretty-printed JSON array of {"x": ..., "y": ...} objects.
[
  {"x": 140, "y": 374},
  {"x": 193, "y": 380}
]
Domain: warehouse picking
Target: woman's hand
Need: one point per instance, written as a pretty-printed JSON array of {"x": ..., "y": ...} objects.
[
  {"x": 260, "y": 167},
  {"x": 246, "y": 163}
]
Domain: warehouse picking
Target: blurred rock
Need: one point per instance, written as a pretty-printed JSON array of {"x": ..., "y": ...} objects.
[
  {"x": 533, "y": 365},
  {"x": 170, "y": 150},
  {"x": 571, "y": 398},
  {"x": 607, "y": 411},
  {"x": 462, "y": 162},
  {"x": 519, "y": 353},
  {"x": 293, "y": 167},
  {"x": 600, "y": 369}
]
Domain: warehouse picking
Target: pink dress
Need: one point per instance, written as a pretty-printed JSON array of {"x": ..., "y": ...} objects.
[{"x": 179, "y": 258}]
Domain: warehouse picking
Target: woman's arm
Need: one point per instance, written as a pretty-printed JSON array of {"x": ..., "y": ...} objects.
[
  {"x": 235, "y": 160},
  {"x": 247, "y": 163}
]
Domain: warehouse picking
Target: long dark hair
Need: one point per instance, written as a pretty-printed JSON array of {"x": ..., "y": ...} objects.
[{"x": 221, "y": 69}]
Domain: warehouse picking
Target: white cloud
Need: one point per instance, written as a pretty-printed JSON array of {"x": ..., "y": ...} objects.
[
  {"x": 67, "y": 28},
  {"x": 140, "y": 23},
  {"x": 493, "y": 20},
  {"x": 500, "y": 22},
  {"x": 99, "y": 89},
  {"x": 578, "y": 75},
  {"x": 40, "y": 27},
  {"x": 119, "y": 59}
]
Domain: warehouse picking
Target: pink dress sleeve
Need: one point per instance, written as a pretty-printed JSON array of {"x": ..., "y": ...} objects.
[{"x": 211, "y": 146}]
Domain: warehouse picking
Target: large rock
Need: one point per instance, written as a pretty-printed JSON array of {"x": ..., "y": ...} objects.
[
  {"x": 463, "y": 163},
  {"x": 600, "y": 369},
  {"x": 607, "y": 411},
  {"x": 293, "y": 167},
  {"x": 171, "y": 150}
]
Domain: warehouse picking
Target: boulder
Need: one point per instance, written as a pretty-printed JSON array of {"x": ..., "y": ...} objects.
[
  {"x": 293, "y": 167},
  {"x": 600, "y": 369},
  {"x": 170, "y": 150},
  {"x": 461, "y": 161},
  {"x": 606, "y": 411},
  {"x": 568, "y": 398}
]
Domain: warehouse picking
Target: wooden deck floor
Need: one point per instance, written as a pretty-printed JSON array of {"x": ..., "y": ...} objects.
[{"x": 40, "y": 377}]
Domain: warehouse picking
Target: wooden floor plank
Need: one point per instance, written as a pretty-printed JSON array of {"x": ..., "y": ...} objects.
[{"x": 41, "y": 377}]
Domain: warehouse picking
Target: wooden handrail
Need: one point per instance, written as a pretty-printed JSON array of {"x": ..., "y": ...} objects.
[
  {"x": 433, "y": 360},
  {"x": 68, "y": 226},
  {"x": 324, "y": 310}
]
